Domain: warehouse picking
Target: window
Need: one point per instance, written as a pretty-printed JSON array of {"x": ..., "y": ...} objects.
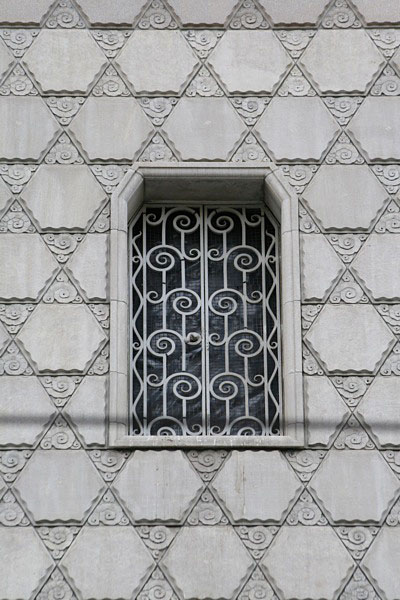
[
  {"x": 205, "y": 335},
  {"x": 201, "y": 352}
]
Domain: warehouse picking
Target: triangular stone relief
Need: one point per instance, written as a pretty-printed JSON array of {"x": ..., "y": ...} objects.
[
  {"x": 111, "y": 41},
  {"x": 60, "y": 436},
  {"x": 359, "y": 587},
  {"x": 250, "y": 150},
  {"x": 109, "y": 176},
  {"x": 56, "y": 587},
  {"x": 16, "y": 220},
  {"x": 13, "y": 316},
  {"x": 305, "y": 462},
  {"x": 249, "y": 16},
  {"x": 204, "y": 84},
  {"x": 343, "y": 108},
  {"x": 64, "y": 108},
  {"x": 390, "y": 220},
  {"x": 12, "y": 462},
  {"x": 306, "y": 512},
  {"x": 18, "y": 83},
  {"x": 357, "y": 539},
  {"x": 16, "y": 175},
  {"x": 295, "y": 41},
  {"x": 62, "y": 290},
  {"x": 391, "y": 366},
  {"x": 343, "y": 152},
  {"x": 18, "y": 40},
  {"x": 110, "y": 84},
  {"x": 62, "y": 245},
  {"x": 309, "y": 312},
  {"x": 204, "y": 41},
  {"x": 391, "y": 315},
  {"x": 65, "y": 15},
  {"x": 101, "y": 364},
  {"x": 257, "y": 587},
  {"x": 64, "y": 152},
  {"x": 257, "y": 539},
  {"x": 348, "y": 291},
  {"x": 157, "y": 587},
  {"x": 157, "y": 150},
  {"x": 108, "y": 512},
  {"x": 351, "y": 389},
  {"x": 13, "y": 362},
  {"x": 207, "y": 512},
  {"x": 207, "y": 462},
  {"x": 347, "y": 245},
  {"x": 157, "y": 538},
  {"x": 299, "y": 176},
  {"x": 250, "y": 108},
  {"x": 296, "y": 84},
  {"x": 157, "y": 16},
  {"x": 340, "y": 15},
  {"x": 388, "y": 84},
  {"x": 353, "y": 437},
  {"x": 11, "y": 513}
]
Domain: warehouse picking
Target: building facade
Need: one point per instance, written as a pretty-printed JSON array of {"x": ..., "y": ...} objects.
[{"x": 289, "y": 109}]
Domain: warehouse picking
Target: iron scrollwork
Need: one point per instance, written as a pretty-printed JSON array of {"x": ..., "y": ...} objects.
[{"x": 205, "y": 335}]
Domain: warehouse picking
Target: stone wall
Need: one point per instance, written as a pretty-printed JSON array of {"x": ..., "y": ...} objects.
[{"x": 86, "y": 88}]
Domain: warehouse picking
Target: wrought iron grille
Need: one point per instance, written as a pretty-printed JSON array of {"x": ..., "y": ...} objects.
[{"x": 205, "y": 337}]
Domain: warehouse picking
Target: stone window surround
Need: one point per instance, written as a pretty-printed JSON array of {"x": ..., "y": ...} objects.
[{"x": 201, "y": 182}]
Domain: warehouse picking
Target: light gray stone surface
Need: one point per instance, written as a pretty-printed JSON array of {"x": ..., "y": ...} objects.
[
  {"x": 63, "y": 197},
  {"x": 246, "y": 486},
  {"x": 59, "y": 485},
  {"x": 297, "y": 558},
  {"x": 87, "y": 410},
  {"x": 294, "y": 12},
  {"x": 351, "y": 358},
  {"x": 325, "y": 411},
  {"x": 55, "y": 61},
  {"x": 242, "y": 68},
  {"x": 381, "y": 562},
  {"x": 6, "y": 59},
  {"x": 5, "y": 196},
  {"x": 376, "y": 128},
  {"x": 380, "y": 411},
  {"x": 125, "y": 563},
  {"x": 321, "y": 267},
  {"x": 104, "y": 12},
  {"x": 396, "y": 60},
  {"x": 296, "y": 129},
  {"x": 36, "y": 270},
  {"x": 25, "y": 410},
  {"x": 350, "y": 339},
  {"x": 4, "y": 338},
  {"x": 19, "y": 11},
  {"x": 158, "y": 486},
  {"x": 195, "y": 121},
  {"x": 378, "y": 12},
  {"x": 19, "y": 139},
  {"x": 111, "y": 128},
  {"x": 365, "y": 486},
  {"x": 68, "y": 343},
  {"x": 342, "y": 61},
  {"x": 24, "y": 563},
  {"x": 220, "y": 575},
  {"x": 88, "y": 266},
  {"x": 371, "y": 267},
  {"x": 345, "y": 197},
  {"x": 208, "y": 12},
  {"x": 157, "y": 62}
]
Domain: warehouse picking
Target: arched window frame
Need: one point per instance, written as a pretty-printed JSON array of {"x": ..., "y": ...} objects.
[{"x": 202, "y": 182}]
